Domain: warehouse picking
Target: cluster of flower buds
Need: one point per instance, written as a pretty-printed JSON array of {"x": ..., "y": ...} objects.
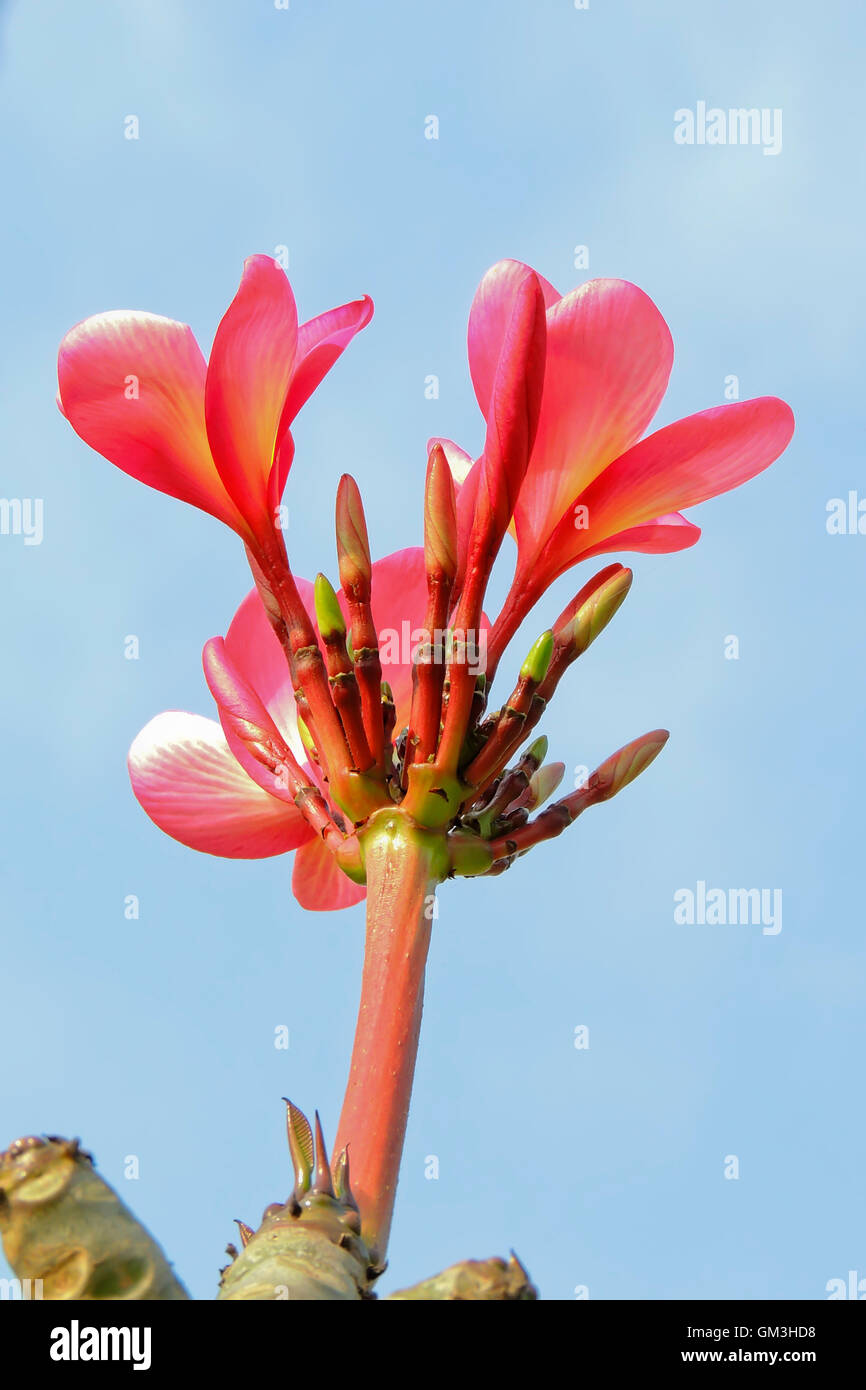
[{"x": 448, "y": 765}]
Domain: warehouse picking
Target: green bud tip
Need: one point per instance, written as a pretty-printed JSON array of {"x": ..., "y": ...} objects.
[
  {"x": 536, "y": 664},
  {"x": 328, "y": 616},
  {"x": 387, "y": 693},
  {"x": 537, "y": 751},
  {"x": 481, "y": 684},
  {"x": 593, "y": 616}
]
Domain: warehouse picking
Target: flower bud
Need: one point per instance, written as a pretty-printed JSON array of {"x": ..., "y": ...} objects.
[
  {"x": 328, "y": 615},
  {"x": 536, "y": 752},
  {"x": 535, "y": 666},
  {"x": 353, "y": 547},
  {"x": 543, "y": 783},
  {"x": 591, "y": 611},
  {"x": 440, "y": 518},
  {"x": 625, "y": 765}
]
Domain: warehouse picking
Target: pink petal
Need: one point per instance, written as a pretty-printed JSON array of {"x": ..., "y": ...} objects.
[
  {"x": 157, "y": 434},
  {"x": 280, "y": 469},
  {"x": 488, "y": 321},
  {"x": 609, "y": 356},
  {"x": 689, "y": 461},
  {"x": 193, "y": 788},
  {"x": 318, "y": 884},
  {"x": 662, "y": 535},
  {"x": 245, "y": 721},
  {"x": 248, "y": 377},
  {"x": 513, "y": 410},
  {"x": 320, "y": 342}
]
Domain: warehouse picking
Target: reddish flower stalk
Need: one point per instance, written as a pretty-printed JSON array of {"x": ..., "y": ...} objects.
[{"x": 403, "y": 866}]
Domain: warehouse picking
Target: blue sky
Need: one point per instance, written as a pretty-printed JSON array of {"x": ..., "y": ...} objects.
[{"x": 602, "y": 1167}]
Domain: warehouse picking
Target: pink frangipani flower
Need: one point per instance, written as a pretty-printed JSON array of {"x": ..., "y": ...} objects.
[
  {"x": 593, "y": 485},
  {"x": 137, "y": 389}
]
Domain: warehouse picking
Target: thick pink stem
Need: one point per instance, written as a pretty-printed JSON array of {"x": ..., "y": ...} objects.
[{"x": 403, "y": 865}]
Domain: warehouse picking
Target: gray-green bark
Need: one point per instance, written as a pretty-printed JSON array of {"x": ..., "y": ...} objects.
[{"x": 62, "y": 1224}]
